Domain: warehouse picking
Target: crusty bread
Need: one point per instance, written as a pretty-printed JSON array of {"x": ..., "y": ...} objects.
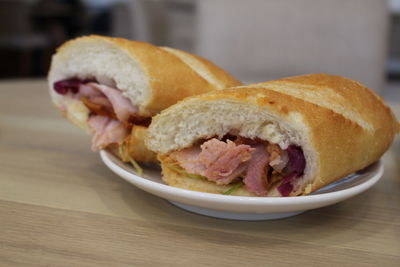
[
  {"x": 152, "y": 77},
  {"x": 135, "y": 146},
  {"x": 341, "y": 125}
]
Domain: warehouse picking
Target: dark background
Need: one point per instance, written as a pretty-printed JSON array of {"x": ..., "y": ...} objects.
[{"x": 30, "y": 30}]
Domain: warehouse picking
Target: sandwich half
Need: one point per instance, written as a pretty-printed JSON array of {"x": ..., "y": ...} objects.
[
  {"x": 112, "y": 87},
  {"x": 286, "y": 137}
]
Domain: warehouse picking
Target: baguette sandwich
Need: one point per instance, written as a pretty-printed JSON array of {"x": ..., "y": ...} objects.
[
  {"x": 112, "y": 87},
  {"x": 286, "y": 137}
]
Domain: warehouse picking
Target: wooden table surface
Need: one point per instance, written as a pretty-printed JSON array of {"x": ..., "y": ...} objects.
[{"x": 60, "y": 206}]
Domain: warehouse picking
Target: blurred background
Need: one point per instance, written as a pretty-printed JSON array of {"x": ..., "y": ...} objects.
[{"x": 255, "y": 40}]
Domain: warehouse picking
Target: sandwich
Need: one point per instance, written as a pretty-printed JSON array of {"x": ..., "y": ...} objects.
[
  {"x": 280, "y": 138},
  {"x": 112, "y": 87}
]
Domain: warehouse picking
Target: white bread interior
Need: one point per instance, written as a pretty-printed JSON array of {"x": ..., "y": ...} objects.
[{"x": 102, "y": 60}]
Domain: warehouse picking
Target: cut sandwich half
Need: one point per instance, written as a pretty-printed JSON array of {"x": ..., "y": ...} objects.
[
  {"x": 112, "y": 87},
  {"x": 285, "y": 137}
]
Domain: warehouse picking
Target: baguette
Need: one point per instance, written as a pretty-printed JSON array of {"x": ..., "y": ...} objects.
[
  {"x": 148, "y": 77},
  {"x": 331, "y": 125}
]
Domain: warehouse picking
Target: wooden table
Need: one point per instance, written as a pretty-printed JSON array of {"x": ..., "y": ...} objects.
[{"x": 60, "y": 206}]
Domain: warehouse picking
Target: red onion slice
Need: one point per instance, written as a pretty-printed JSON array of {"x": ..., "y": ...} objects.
[
  {"x": 296, "y": 166},
  {"x": 297, "y": 162},
  {"x": 63, "y": 86},
  {"x": 286, "y": 187}
]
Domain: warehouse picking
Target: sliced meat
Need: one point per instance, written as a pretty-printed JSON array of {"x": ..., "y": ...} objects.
[
  {"x": 89, "y": 91},
  {"x": 279, "y": 162},
  {"x": 99, "y": 105},
  {"x": 239, "y": 171},
  {"x": 223, "y": 162},
  {"x": 188, "y": 159},
  {"x": 223, "y": 159},
  {"x": 101, "y": 99},
  {"x": 278, "y": 158},
  {"x": 122, "y": 106},
  {"x": 216, "y": 160},
  {"x": 212, "y": 150},
  {"x": 256, "y": 179},
  {"x": 112, "y": 114},
  {"x": 106, "y": 131}
]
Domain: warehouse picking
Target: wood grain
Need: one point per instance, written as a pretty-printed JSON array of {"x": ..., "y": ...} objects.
[{"x": 60, "y": 206}]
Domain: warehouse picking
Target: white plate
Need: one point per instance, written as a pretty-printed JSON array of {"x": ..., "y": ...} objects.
[{"x": 244, "y": 208}]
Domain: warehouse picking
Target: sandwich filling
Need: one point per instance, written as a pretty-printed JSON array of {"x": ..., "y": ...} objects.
[
  {"x": 258, "y": 164},
  {"x": 111, "y": 116}
]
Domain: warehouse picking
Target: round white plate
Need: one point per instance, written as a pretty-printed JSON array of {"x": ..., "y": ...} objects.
[{"x": 244, "y": 208}]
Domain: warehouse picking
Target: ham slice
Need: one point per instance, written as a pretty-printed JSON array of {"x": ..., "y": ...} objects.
[
  {"x": 218, "y": 161},
  {"x": 256, "y": 179},
  {"x": 223, "y": 162},
  {"x": 101, "y": 99},
  {"x": 188, "y": 160},
  {"x": 278, "y": 158},
  {"x": 122, "y": 106},
  {"x": 111, "y": 113},
  {"x": 89, "y": 91},
  {"x": 223, "y": 159},
  {"x": 99, "y": 106},
  {"x": 106, "y": 131},
  {"x": 112, "y": 110}
]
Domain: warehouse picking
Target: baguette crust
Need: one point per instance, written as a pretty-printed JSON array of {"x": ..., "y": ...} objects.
[
  {"x": 341, "y": 125},
  {"x": 135, "y": 147},
  {"x": 152, "y": 77},
  {"x": 164, "y": 77}
]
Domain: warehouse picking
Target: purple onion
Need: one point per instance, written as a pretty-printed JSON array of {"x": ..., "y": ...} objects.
[
  {"x": 62, "y": 87},
  {"x": 297, "y": 162},
  {"x": 286, "y": 187},
  {"x": 85, "y": 81},
  {"x": 296, "y": 166}
]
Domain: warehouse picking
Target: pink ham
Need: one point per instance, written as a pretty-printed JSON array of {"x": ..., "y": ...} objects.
[
  {"x": 280, "y": 161},
  {"x": 94, "y": 95},
  {"x": 89, "y": 91},
  {"x": 112, "y": 110},
  {"x": 106, "y": 131},
  {"x": 122, "y": 106},
  {"x": 222, "y": 163},
  {"x": 256, "y": 179},
  {"x": 216, "y": 160},
  {"x": 188, "y": 159},
  {"x": 101, "y": 100},
  {"x": 97, "y": 94},
  {"x": 222, "y": 159}
]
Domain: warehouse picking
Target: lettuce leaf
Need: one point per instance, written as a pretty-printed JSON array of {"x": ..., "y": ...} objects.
[
  {"x": 125, "y": 157},
  {"x": 233, "y": 188},
  {"x": 179, "y": 170}
]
